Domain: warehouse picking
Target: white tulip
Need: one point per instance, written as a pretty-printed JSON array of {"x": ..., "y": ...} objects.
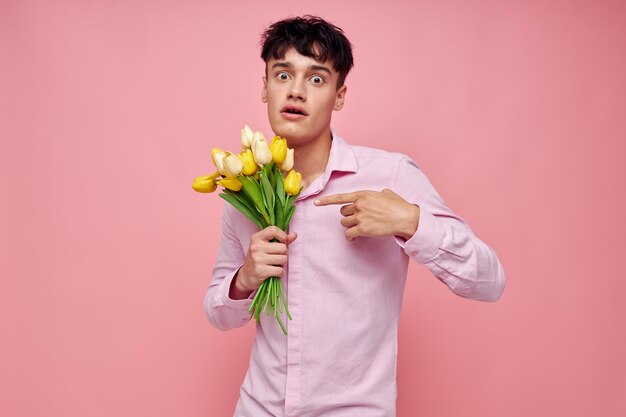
[
  {"x": 247, "y": 136},
  {"x": 287, "y": 164},
  {"x": 218, "y": 159},
  {"x": 261, "y": 150},
  {"x": 232, "y": 165},
  {"x": 257, "y": 135}
]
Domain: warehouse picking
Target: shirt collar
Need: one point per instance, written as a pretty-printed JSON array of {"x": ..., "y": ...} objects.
[{"x": 341, "y": 156}]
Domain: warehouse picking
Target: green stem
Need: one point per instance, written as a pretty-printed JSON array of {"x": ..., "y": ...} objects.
[
  {"x": 266, "y": 300},
  {"x": 271, "y": 295},
  {"x": 282, "y": 296},
  {"x": 262, "y": 298},
  {"x": 282, "y": 326}
]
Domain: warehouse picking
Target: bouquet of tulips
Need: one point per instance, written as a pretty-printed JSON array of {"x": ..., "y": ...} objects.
[{"x": 254, "y": 184}]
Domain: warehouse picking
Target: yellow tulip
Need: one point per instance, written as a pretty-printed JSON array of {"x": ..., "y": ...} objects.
[
  {"x": 232, "y": 165},
  {"x": 292, "y": 182},
  {"x": 218, "y": 156},
  {"x": 247, "y": 136},
  {"x": 205, "y": 183},
  {"x": 287, "y": 164},
  {"x": 232, "y": 184},
  {"x": 249, "y": 164},
  {"x": 261, "y": 150},
  {"x": 279, "y": 149}
]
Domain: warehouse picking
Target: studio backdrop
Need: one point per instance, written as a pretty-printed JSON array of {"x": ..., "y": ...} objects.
[{"x": 514, "y": 110}]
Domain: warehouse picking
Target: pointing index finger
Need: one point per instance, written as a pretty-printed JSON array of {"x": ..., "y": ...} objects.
[{"x": 337, "y": 199}]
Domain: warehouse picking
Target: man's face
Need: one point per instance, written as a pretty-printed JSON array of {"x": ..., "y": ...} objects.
[{"x": 301, "y": 95}]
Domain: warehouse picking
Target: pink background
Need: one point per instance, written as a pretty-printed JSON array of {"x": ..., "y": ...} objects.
[{"x": 515, "y": 110}]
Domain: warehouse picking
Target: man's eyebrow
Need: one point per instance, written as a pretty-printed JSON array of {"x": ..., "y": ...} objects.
[
  {"x": 320, "y": 68},
  {"x": 284, "y": 64}
]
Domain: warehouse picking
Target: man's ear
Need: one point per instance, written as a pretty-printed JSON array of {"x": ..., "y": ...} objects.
[
  {"x": 341, "y": 97},
  {"x": 264, "y": 90}
]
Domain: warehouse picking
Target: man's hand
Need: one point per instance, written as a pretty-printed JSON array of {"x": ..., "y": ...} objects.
[
  {"x": 375, "y": 213},
  {"x": 264, "y": 259}
]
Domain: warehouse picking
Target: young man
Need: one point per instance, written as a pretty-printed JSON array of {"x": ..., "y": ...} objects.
[{"x": 347, "y": 264}]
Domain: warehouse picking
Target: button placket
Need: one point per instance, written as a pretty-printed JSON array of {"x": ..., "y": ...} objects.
[{"x": 294, "y": 345}]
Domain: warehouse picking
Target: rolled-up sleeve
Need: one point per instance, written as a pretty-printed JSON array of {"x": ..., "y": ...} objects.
[
  {"x": 222, "y": 311},
  {"x": 444, "y": 242}
]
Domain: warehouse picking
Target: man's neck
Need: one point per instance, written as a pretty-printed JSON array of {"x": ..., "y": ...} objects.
[{"x": 311, "y": 158}]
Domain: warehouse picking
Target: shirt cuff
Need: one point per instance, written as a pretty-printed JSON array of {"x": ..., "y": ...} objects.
[
  {"x": 425, "y": 243},
  {"x": 243, "y": 304}
]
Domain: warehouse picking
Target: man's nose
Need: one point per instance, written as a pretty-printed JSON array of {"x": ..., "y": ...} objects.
[{"x": 297, "y": 90}]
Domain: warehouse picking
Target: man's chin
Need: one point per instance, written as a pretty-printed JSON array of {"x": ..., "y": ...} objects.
[{"x": 289, "y": 131}]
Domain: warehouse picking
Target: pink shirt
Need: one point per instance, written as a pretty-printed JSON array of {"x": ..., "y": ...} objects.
[{"x": 339, "y": 358}]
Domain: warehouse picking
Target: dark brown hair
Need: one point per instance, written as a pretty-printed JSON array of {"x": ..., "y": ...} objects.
[{"x": 311, "y": 36}]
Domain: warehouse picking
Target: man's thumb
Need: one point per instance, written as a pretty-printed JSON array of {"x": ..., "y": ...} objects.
[{"x": 291, "y": 237}]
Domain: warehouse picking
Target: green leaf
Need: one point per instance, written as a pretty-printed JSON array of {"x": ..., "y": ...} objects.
[
  {"x": 263, "y": 218},
  {"x": 280, "y": 215},
  {"x": 285, "y": 212},
  {"x": 270, "y": 174},
  {"x": 252, "y": 189},
  {"x": 245, "y": 200},
  {"x": 268, "y": 194},
  {"x": 242, "y": 208},
  {"x": 263, "y": 194},
  {"x": 290, "y": 214},
  {"x": 279, "y": 185}
]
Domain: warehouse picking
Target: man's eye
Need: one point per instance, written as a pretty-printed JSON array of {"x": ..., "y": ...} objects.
[
  {"x": 316, "y": 79},
  {"x": 283, "y": 76}
]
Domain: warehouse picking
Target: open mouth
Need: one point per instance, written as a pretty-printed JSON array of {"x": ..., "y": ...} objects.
[{"x": 293, "y": 110}]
